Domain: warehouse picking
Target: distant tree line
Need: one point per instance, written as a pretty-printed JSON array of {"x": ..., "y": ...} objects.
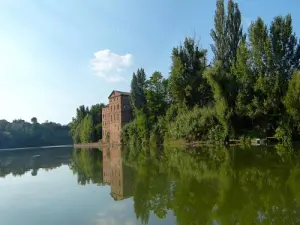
[
  {"x": 20, "y": 133},
  {"x": 250, "y": 89},
  {"x": 86, "y": 127}
]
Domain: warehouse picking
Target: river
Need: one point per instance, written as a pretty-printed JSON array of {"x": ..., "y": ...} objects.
[{"x": 217, "y": 186}]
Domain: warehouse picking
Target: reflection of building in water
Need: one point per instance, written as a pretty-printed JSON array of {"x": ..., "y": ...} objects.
[{"x": 116, "y": 174}]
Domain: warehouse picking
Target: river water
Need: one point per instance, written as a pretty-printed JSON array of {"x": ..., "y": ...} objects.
[{"x": 258, "y": 185}]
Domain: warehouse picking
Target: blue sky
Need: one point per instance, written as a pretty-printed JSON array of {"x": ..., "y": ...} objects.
[{"x": 58, "y": 54}]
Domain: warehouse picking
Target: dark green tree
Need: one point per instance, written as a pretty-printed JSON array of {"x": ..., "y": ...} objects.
[
  {"x": 292, "y": 99},
  {"x": 157, "y": 96},
  {"x": 227, "y": 33},
  {"x": 138, "y": 86},
  {"x": 96, "y": 113},
  {"x": 187, "y": 84},
  {"x": 285, "y": 48}
]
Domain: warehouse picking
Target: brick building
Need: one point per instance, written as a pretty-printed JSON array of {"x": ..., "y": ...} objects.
[{"x": 115, "y": 115}]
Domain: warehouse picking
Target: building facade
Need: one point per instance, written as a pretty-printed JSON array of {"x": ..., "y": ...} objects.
[{"x": 115, "y": 115}]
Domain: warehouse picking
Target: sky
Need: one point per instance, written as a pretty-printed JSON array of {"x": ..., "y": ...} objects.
[{"x": 58, "y": 54}]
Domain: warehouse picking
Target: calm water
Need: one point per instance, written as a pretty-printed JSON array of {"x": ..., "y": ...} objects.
[{"x": 90, "y": 187}]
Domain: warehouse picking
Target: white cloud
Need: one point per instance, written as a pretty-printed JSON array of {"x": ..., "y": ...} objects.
[{"x": 111, "y": 66}]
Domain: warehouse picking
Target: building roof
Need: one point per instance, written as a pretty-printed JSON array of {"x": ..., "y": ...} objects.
[{"x": 121, "y": 93}]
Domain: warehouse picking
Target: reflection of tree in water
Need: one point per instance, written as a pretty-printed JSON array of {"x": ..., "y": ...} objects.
[
  {"x": 223, "y": 186},
  {"x": 87, "y": 164},
  {"x": 19, "y": 162}
]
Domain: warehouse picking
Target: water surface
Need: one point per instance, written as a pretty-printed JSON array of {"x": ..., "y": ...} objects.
[{"x": 209, "y": 186}]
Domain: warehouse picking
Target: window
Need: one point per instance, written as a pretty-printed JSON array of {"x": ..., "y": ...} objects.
[
  {"x": 118, "y": 117},
  {"x": 111, "y": 117},
  {"x": 114, "y": 108},
  {"x": 118, "y": 107},
  {"x": 114, "y": 117}
]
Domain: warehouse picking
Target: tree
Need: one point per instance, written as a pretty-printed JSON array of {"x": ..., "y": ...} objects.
[
  {"x": 86, "y": 133},
  {"x": 267, "y": 98},
  {"x": 186, "y": 83},
  {"x": 96, "y": 113},
  {"x": 81, "y": 112},
  {"x": 234, "y": 31},
  {"x": 138, "y": 86},
  {"x": 157, "y": 96},
  {"x": 285, "y": 48},
  {"x": 34, "y": 120},
  {"x": 76, "y": 126},
  {"x": 218, "y": 34},
  {"x": 245, "y": 81},
  {"x": 226, "y": 34},
  {"x": 292, "y": 98}
]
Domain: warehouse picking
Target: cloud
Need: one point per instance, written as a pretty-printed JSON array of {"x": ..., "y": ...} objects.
[
  {"x": 116, "y": 214},
  {"x": 111, "y": 66}
]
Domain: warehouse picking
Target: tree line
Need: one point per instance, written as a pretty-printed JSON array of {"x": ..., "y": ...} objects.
[
  {"x": 20, "y": 133},
  {"x": 250, "y": 89}
]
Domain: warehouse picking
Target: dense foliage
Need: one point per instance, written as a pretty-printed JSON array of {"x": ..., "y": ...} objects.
[
  {"x": 250, "y": 89},
  {"x": 20, "y": 133},
  {"x": 86, "y": 127}
]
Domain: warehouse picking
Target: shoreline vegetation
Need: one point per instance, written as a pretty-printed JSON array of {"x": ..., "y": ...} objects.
[
  {"x": 22, "y": 134},
  {"x": 249, "y": 91}
]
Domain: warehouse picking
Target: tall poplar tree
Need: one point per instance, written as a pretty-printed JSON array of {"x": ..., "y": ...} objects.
[{"x": 138, "y": 86}]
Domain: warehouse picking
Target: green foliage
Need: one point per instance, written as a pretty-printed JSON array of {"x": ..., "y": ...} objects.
[
  {"x": 292, "y": 98},
  {"x": 138, "y": 85},
  {"x": 20, "y": 133},
  {"x": 249, "y": 89},
  {"x": 192, "y": 125},
  {"x": 187, "y": 84},
  {"x": 87, "y": 125},
  {"x": 86, "y": 132},
  {"x": 156, "y": 96},
  {"x": 226, "y": 34}
]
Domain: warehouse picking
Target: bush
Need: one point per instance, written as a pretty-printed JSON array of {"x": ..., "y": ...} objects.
[{"x": 192, "y": 125}]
